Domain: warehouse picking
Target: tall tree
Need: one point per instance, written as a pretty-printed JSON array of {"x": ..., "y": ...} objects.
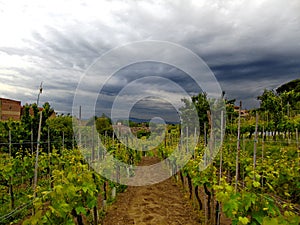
[
  {"x": 202, "y": 105},
  {"x": 271, "y": 106},
  {"x": 103, "y": 124}
]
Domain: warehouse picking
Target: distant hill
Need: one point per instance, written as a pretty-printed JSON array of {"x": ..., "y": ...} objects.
[
  {"x": 137, "y": 120},
  {"x": 140, "y": 120},
  {"x": 292, "y": 85}
]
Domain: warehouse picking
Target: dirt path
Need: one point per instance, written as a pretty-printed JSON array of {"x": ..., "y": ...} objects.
[{"x": 162, "y": 203}]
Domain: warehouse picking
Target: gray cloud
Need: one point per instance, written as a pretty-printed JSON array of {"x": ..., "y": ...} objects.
[{"x": 249, "y": 45}]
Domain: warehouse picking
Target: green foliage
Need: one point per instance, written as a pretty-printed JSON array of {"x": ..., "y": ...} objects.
[
  {"x": 293, "y": 85},
  {"x": 104, "y": 126},
  {"x": 143, "y": 133},
  {"x": 59, "y": 126},
  {"x": 68, "y": 190},
  {"x": 24, "y": 132},
  {"x": 202, "y": 106},
  {"x": 75, "y": 191}
]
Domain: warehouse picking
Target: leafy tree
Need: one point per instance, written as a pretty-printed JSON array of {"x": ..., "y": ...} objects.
[
  {"x": 35, "y": 120},
  {"x": 17, "y": 138},
  {"x": 104, "y": 125},
  {"x": 47, "y": 113},
  {"x": 271, "y": 105},
  {"x": 202, "y": 105},
  {"x": 290, "y": 86},
  {"x": 291, "y": 102},
  {"x": 231, "y": 116},
  {"x": 59, "y": 126},
  {"x": 91, "y": 121}
]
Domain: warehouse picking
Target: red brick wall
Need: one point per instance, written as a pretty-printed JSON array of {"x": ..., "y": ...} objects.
[{"x": 10, "y": 109}]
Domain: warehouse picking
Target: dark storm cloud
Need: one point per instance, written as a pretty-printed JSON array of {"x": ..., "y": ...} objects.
[
  {"x": 258, "y": 75},
  {"x": 148, "y": 69},
  {"x": 249, "y": 45}
]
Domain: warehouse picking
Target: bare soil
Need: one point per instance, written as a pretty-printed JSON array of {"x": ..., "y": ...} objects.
[{"x": 161, "y": 203}]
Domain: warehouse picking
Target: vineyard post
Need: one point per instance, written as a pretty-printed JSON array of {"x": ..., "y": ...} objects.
[
  {"x": 104, "y": 196},
  {"x": 211, "y": 138},
  {"x": 231, "y": 123},
  {"x": 113, "y": 192},
  {"x": 38, "y": 145},
  {"x": 238, "y": 149},
  {"x": 9, "y": 138},
  {"x": 205, "y": 134},
  {"x": 244, "y": 143},
  {"x": 73, "y": 141},
  {"x": 220, "y": 170},
  {"x": 113, "y": 139},
  {"x": 187, "y": 139},
  {"x": 297, "y": 144},
  {"x": 205, "y": 210},
  {"x": 195, "y": 141},
  {"x": 10, "y": 184},
  {"x": 165, "y": 142},
  {"x": 267, "y": 124},
  {"x": 48, "y": 134},
  {"x": 105, "y": 138},
  {"x": 205, "y": 144},
  {"x": 262, "y": 155},
  {"x": 211, "y": 194},
  {"x": 31, "y": 141},
  {"x": 63, "y": 140},
  {"x": 37, "y": 155},
  {"x": 221, "y": 151},
  {"x": 98, "y": 145},
  {"x": 93, "y": 144},
  {"x": 49, "y": 156},
  {"x": 255, "y": 145},
  {"x": 85, "y": 139},
  {"x": 181, "y": 142},
  {"x": 79, "y": 144},
  {"x": 297, "y": 138}
]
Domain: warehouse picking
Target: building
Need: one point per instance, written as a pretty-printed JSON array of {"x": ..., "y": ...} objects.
[
  {"x": 31, "y": 112},
  {"x": 10, "y": 109},
  {"x": 244, "y": 112}
]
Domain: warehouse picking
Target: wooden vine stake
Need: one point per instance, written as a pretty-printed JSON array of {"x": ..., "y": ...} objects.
[
  {"x": 37, "y": 156},
  {"x": 221, "y": 142},
  {"x": 36, "y": 165},
  {"x": 31, "y": 140},
  {"x": 238, "y": 150},
  {"x": 93, "y": 144},
  {"x": 262, "y": 155},
  {"x": 80, "y": 141},
  {"x": 195, "y": 142},
  {"x": 297, "y": 144},
  {"x": 187, "y": 140},
  {"x": 11, "y": 192},
  {"x": 205, "y": 138},
  {"x": 221, "y": 164},
  {"x": 49, "y": 156},
  {"x": 255, "y": 145}
]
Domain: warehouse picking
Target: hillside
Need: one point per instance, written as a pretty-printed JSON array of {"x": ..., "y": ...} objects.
[{"x": 292, "y": 85}]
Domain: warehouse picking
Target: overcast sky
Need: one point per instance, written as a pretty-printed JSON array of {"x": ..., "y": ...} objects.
[{"x": 248, "y": 45}]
